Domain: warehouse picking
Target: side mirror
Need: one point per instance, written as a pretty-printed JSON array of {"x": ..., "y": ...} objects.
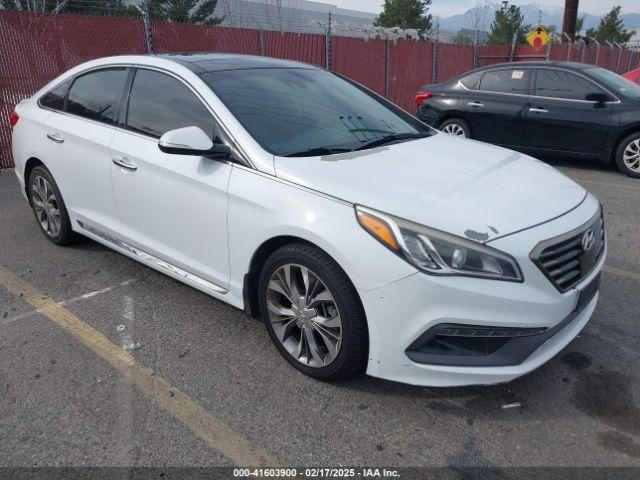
[
  {"x": 192, "y": 141},
  {"x": 597, "y": 97}
]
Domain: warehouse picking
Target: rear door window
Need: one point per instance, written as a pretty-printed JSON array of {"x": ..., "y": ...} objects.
[
  {"x": 561, "y": 84},
  {"x": 96, "y": 95},
  {"x": 159, "y": 103},
  {"x": 55, "y": 98},
  {"x": 507, "y": 80},
  {"x": 471, "y": 81}
]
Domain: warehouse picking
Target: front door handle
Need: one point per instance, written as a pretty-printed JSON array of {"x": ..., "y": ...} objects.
[
  {"x": 476, "y": 104},
  {"x": 538, "y": 110},
  {"x": 54, "y": 137},
  {"x": 125, "y": 163}
]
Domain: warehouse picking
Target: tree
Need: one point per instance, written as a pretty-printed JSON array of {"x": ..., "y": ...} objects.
[
  {"x": 279, "y": 14},
  {"x": 611, "y": 28},
  {"x": 506, "y": 24},
  {"x": 580, "y": 24},
  {"x": 462, "y": 39},
  {"x": 186, "y": 11},
  {"x": 478, "y": 16},
  {"x": 406, "y": 14},
  {"x": 94, "y": 7}
]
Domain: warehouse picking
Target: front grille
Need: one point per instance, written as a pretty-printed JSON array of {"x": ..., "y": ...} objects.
[{"x": 564, "y": 260}]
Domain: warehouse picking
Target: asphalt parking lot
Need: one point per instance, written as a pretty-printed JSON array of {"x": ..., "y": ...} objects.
[{"x": 104, "y": 362}]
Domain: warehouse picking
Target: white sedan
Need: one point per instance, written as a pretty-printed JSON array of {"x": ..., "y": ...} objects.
[{"x": 365, "y": 240}]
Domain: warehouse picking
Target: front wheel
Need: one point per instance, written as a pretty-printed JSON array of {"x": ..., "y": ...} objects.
[
  {"x": 456, "y": 127},
  {"x": 628, "y": 156},
  {"x": 313, "y": 313}
]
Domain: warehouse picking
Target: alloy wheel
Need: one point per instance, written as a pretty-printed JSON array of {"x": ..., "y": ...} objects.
[
  {"x": 45, "y": 205},
  {"x": 631, "y": 156},
  {"x": 454, "y": 129},
  {"x": 304, "y": 315}
]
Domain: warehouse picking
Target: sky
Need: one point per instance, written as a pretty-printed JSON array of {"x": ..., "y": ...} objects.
[{"x": 446, "y": 8}]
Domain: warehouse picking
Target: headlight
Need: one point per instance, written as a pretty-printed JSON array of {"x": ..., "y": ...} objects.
[{"x": 437, "y": 252}]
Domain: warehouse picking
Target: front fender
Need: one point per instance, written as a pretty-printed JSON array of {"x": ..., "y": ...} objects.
[{"x": 262, "y": 207}]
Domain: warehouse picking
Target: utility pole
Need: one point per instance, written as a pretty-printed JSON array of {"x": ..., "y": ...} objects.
[{"x": 570, "y": 18}]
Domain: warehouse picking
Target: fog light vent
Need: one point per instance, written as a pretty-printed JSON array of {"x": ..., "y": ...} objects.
[
  {"x": 489, "y": 332},
  {"x": 473, "y": 345}
]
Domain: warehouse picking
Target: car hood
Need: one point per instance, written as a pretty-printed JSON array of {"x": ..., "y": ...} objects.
[{"x": 460, "y": 186}]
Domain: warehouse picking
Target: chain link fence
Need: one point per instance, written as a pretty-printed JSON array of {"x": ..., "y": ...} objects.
[{"x": 37, "y": 47}]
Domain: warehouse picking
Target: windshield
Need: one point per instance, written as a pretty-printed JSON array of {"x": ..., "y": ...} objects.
[
  {"x": 615, "y": 82},
  {"x": 298, "y": 111}
]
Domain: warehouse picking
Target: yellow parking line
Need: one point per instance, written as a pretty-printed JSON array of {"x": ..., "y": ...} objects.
[
  {"x": 622, "y": 273},
  {"x": 205, "y": 425}
]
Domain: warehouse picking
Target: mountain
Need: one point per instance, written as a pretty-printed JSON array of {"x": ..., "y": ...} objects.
[{"x": 550, "y": 15}]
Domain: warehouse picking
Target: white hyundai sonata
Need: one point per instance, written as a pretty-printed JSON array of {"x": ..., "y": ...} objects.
[{"x": 363, "y": 238}]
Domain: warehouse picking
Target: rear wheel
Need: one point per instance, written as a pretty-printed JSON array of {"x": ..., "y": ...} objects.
[
  {"x": 456, "y": 127},
  {"x": 628, "y": 155},
  {"x": 49, "y": 208},
  {"x": 313, "y": 313}
]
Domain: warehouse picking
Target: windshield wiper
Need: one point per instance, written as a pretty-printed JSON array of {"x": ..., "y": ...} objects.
[
  {"x": 392, "y": 138},
  {"x": 316, "y": 151}
]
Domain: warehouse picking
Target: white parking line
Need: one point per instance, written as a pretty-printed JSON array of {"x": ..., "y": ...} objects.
[{"x": 21, "y": 316}]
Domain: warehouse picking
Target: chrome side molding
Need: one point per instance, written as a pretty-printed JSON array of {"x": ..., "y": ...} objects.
[{"x": 158, "y": 262}]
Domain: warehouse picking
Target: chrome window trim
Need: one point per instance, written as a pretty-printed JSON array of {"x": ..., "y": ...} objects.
[
  {"x": 549, "y": 67},
  {"x": 532, "y": 95},
  {"x": 236, "y": 144},
  {"x": 503, "y": 93}
]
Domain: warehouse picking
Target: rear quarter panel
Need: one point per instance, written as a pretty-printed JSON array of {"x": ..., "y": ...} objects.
[
  {"x": 447, "y": 102},
  {"x": 29, "y": 136}
]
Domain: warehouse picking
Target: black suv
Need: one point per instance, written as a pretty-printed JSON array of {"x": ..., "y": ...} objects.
[{"x": 566, "y": 108}]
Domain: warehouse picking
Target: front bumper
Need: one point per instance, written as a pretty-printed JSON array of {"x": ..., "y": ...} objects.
[{"x": 400, "y": 313}]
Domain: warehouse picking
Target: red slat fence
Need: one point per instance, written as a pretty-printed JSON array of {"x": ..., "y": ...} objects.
[{"x": 37, "y": 47}]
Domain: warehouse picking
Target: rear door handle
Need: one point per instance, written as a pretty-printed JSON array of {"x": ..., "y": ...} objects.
[
  {"x": 538, "y": 110},
  {"x": 476, "y": 104},
  {"x": 54, "y": 137},
  {"x": 125, "y": 163}
]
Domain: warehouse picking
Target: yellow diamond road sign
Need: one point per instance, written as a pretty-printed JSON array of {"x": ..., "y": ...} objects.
[{"x": 538, "y": 37}]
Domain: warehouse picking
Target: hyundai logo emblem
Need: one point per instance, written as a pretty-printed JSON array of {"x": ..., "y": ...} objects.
[{"x": 587, "y": 240}]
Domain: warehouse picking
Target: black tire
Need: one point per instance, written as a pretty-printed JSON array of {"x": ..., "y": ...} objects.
[
  {"x": 457, "y": 122},
  {"x": 64, "y": 235},
  {"x": 624, "y": 144},
  {"x": 353, "y": 353}
]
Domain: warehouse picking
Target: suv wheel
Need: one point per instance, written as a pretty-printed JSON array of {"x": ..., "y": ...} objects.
[{"x": 313, "y": 313}]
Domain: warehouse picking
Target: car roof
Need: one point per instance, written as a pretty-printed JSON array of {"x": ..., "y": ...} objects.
[{"x": 215, "y": 62}]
